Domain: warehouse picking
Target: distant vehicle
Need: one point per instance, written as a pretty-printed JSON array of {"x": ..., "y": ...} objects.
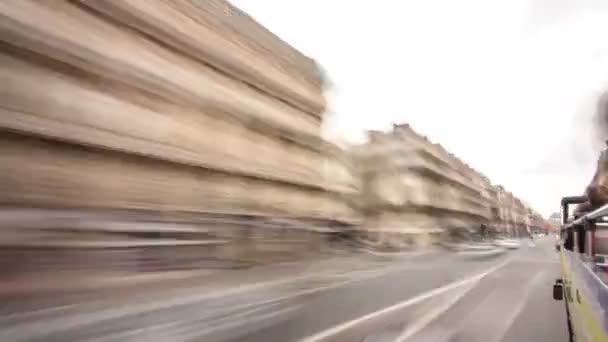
[{"x": 507, "y": 243}]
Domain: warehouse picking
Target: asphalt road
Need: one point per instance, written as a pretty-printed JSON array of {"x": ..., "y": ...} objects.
[
  {"x": 514, "y": 303},
  {"x": 440, "y": 297},
  {"x": 501, "y": 299}
]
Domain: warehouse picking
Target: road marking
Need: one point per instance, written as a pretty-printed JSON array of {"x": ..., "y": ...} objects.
[
  {"x": 183, "y": 327},
  {"x": 263, "y": 304},
  {"x": 519, "y": 308},
  {"x": 412, "y": 301},
  {"x": 28, "y": 330},
  {"x": 4, "y": 319},
  {"x": 426, "y": 319},
  {"x": 481, "y": 310}
]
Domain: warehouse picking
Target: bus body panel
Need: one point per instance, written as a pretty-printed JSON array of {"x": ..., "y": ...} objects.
[{"x": 586, "y": 298}]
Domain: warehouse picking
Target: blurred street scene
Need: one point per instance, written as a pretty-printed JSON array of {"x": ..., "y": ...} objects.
[
  {"x": 435, "y": 296},
  {"x": 164, "y": 177}
]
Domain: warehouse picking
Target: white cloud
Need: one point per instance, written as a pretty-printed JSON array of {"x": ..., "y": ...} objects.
[{"x": 506, "y": 85}]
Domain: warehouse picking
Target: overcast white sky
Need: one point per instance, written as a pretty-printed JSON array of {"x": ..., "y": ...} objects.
[{"x": 507, "y": 85}]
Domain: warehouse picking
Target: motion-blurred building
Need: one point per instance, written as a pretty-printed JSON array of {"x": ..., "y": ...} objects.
[
  {"x": 184, "y": 112},
  {"x": 413, "y": 190},
  {"x": 516, "y": 218}
]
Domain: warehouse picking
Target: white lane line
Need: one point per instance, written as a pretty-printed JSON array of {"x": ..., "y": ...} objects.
[
  {"x": 65, "y": 323},
  {"x": 36, "y": 312},
  {"x": 30, "y": 330},
  {"x": 257, "y": 318},
  {"x": 426, "y": 319},
  {"x": 183, "y": 327},
  {"x": 481, "y": 310},
  {"x": 417, "y": 299},
  {"x": 508, "y": 321}
]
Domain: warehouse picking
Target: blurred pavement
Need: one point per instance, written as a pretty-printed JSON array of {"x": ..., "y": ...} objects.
[{"x": 438, "y": 296}]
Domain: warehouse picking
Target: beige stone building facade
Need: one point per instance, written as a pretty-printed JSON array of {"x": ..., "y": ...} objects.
[
  {"x": 414, "y": 191},
  {"x": 515, "y": 218},
  {"x": 188, "y": 112},
  {"x": 219, "y": 116}
]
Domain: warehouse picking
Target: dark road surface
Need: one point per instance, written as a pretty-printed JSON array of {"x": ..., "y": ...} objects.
[
  {"x": 512, "y": 303},
  {"x": 441, "y": 297}
]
